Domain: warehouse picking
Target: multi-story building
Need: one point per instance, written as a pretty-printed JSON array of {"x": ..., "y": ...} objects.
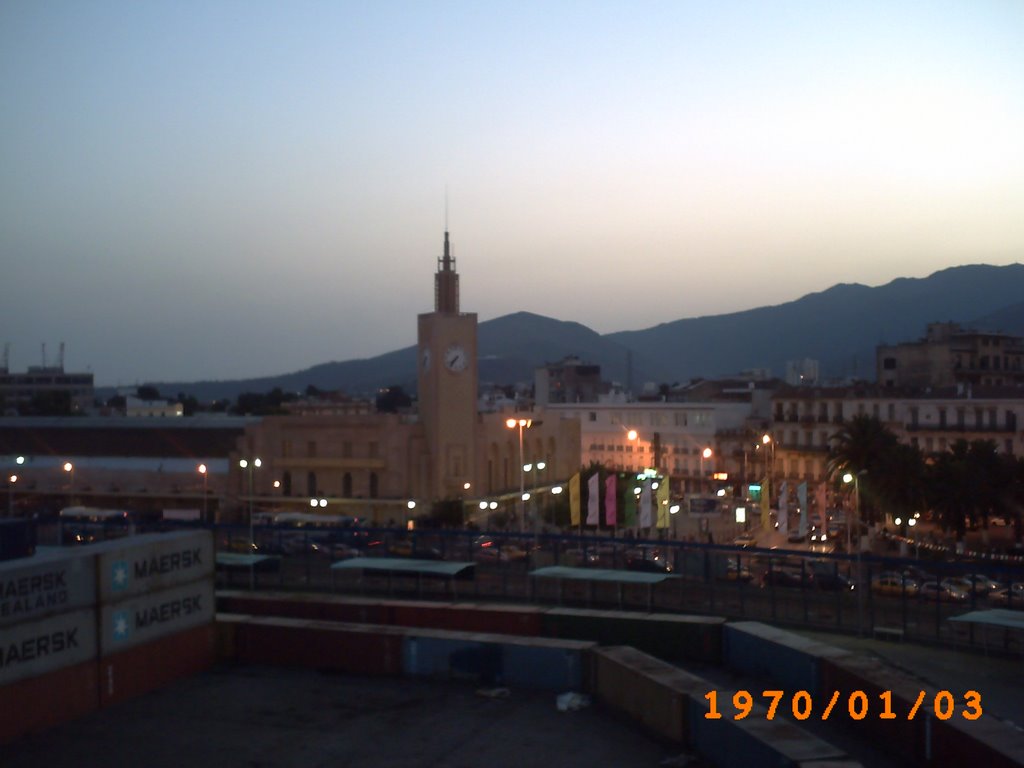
[
  {"x": 806, "y": 419},
  {"x": 19, "y": 391},
  {"x": 951, "y": 356},
  {"x": 711, "y": 427},
  {"x": 570, "y": 381}
]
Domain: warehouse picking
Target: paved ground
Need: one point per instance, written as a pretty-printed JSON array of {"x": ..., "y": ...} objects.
[{"x": 259, "y": 717}]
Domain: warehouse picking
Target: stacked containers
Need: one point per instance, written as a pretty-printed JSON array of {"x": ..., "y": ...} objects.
[
  {"x": 47, "y": 640},
  {"x": 155, "y": 611}
]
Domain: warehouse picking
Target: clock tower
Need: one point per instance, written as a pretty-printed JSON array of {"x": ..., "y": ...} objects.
[{"x": 447, "y": 384}]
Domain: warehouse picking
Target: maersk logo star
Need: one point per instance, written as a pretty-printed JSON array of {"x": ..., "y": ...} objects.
[
  {"x": 119, "y": 575},
  {"x": 121, "y": 625}
]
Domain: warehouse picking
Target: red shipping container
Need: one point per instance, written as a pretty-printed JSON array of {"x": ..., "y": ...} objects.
[
  {"x": 37, "y": 703},
  {"x": 154, "y": 664}
]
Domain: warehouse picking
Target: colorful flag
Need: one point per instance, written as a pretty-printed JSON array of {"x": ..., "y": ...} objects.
[
  {"x": 594, "y": 499},
  {"x": 574, "y": 499},
  {"x": 783, "y": 508},
  {"x": 645, "y": 505},
  {"x": 630, "y": 501},
  {"x": 801, "y": 499},
  {"x": 766, "y": 509},
  {"x": 661, "y": 498},
  {"x": 610, "y": 507}
]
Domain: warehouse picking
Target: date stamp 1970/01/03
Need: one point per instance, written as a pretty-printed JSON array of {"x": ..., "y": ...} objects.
[{"x": 857, "y": 704}]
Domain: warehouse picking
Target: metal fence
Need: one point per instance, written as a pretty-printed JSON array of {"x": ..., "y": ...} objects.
[{"x": 799, "y": 589}]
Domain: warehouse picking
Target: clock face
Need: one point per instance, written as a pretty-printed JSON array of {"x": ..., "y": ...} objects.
[
  {"x": 455, "y": 359},
  {"x": 426, "y": 359}
]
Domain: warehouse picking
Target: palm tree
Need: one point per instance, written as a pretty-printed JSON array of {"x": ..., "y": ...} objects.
[{"x": 864, "y": 447}]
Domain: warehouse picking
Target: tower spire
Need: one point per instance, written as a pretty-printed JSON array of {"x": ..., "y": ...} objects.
[{"x": 446, "y": 282}]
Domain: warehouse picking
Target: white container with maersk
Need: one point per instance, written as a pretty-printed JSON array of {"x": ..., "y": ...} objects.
[
  {"x": 50, "y": 582},
  {"x": 152, "y": 562},
  {"x": 151, "y": 616}
]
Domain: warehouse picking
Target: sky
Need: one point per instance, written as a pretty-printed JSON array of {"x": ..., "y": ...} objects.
[{"x": 217, "y": 190}]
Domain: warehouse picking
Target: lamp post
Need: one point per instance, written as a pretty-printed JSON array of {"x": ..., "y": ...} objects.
[
  {"x": 850, "y": 477},
  {"x": 252, "y": 466},
  {"x": 536, "y": 468},
  {"x": 10, "y": 494},
  {"x": 203, "y": 470},
  {"x": 521, "y": 424},
  {"x": 70, "y": 469},
  {"x": 707, "y": 453},
  {"x": 854, "y": 477}
]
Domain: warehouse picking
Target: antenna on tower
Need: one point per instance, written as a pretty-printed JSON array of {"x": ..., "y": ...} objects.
[{"x": 446, "y": 207}]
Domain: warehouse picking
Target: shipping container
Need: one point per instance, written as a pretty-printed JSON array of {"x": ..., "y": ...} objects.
[
  {"x": 55, "y": 581},
  {"x": 34, "y": 648},
  {"x": 144, "y": 618},
  {"x": 150, "y": 562},
  {"x": 37, "y": 703}
]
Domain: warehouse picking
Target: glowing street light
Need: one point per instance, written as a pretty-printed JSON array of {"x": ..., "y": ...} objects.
[
  {"x": 70, "y": 469},
  {"x": 252, "y": 466},
  {"x": 10, "y": 494},
  {"x": 520, "y": 424},
  {"x": 203, "y": 470}
]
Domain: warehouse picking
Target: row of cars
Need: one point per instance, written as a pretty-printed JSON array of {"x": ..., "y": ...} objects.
[{"x": 914, "y": 582}]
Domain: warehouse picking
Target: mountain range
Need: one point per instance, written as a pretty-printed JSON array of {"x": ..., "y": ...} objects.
[{"x": 839, "y": 327}]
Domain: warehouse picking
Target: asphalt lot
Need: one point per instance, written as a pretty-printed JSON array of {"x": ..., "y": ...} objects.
[{"x": 260, "y": 717}]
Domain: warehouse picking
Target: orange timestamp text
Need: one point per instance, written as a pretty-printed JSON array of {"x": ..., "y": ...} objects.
[{"x": 857, "y": 704}]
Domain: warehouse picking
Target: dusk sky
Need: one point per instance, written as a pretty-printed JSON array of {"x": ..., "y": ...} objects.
[{"x": 219, "y": 190}]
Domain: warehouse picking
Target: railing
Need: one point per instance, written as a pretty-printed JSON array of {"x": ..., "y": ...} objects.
[{"x": 796, "y": 588}]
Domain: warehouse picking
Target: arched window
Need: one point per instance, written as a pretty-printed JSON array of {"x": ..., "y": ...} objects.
[
  {"x": 311, "y": 483},
  {"x": 373, "y": 485},
  {"x": 286, "y": 483},
  {"x": 346, "y": 486}
]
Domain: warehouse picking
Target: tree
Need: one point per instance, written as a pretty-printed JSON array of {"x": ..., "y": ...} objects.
[
  {"x": 147, "y": 392},
  {"x": 864, "y": 447}
]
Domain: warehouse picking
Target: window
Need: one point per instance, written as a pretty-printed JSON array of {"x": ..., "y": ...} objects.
[
  {"x": 311, "y": 483},
  {"x": 373, "y": 485},
  {"x": 889, "y": 363},
  {"x": 592, "y": 416},
  {"x": 346, "y": 485},
  {"x": 286, "y": 483}
]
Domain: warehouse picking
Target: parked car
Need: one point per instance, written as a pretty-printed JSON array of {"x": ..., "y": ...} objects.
[
  {"x": 934, "y": 590},
  {"x": 981, "y": 584},
  {"x": 1007, "y": 598},
  {"x": 488, "y": 550},
  {"x": 745, "y": 540},
  {"x": 647, "y": 559},
  {"x": 891, "y": 583},
  {"x": 832, "y": 581},
  {"x": 786, "y": 577}
]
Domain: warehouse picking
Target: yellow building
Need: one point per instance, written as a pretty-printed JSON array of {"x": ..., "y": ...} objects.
[{"x": 373, "y": 465}]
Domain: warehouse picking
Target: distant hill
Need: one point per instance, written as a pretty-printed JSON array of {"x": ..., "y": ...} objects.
[{"x": 840, "y": 327}]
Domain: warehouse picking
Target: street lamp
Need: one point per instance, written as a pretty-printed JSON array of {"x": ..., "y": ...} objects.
[
  {"x": 707, "y": 453},
  {"x": 70, "y": 469},
  {"x": 202, "y": 470},
  {"x": 10, "y": 494},
  {"x": 521, "y": 424},
  {"x": 252, "y": 466},
  {"x": 850, "y": 477},
  {"x": 535, "y": 484}
]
